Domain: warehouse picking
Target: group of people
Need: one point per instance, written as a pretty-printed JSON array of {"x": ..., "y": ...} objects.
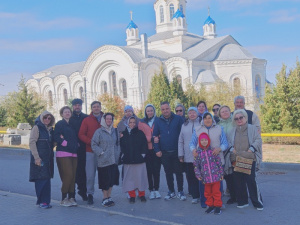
[{"x": 207, "y": 148}]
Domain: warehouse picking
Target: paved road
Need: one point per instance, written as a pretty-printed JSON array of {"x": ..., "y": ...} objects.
[{"x": 280, "y": 190}]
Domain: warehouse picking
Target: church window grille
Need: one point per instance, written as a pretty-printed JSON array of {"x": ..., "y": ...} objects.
[
  {"x": 65, "y": 92},
  {"x": 257, "y": 86},
  {"x": 50, "y": 98},
  {"x": 81, "y": 94},
  {"x": 114, "y": 83},
  {"x": 237, "y": 84},
  {"x": 104, "y": 87},
  {"x": 161, "y": 12},
  {"x": 172, "y": 10},
  {"x": 181, "y": 8},
  {"x": 179, "y": 79},
  {"x": 124, "y": 88}
]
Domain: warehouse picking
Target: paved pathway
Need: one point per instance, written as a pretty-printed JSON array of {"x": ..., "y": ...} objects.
[{"x": 280, "y": 190}]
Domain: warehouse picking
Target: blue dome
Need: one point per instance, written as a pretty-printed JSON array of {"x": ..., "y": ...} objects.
[
  {"x": 209, "y": 20},
  {"x": 131, "y": 25},
  {"x": 178, "y": 14}
]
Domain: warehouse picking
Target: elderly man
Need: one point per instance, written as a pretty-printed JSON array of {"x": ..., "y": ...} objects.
[
  {"x": 75, "y": 122},
  {"x": 86, "y": 133},
  {"x": 166, "y": 134},
  {"x": 239, "y": 103}
]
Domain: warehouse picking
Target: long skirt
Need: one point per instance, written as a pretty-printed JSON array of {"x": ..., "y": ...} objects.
[
  {"x": 108, "y": 176},
  {"x": 43, "y": 191},
  {"x": 135, "y": 177}
]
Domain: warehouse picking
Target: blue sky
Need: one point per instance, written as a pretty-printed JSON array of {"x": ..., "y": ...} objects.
[{"x": 35, "y": 35}]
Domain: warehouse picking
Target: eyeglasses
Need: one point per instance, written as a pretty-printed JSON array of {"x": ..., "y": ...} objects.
[
  {"x": 216, "y": 110},
  {"x": 179, "y": 110},
  {"x": 47, "y": 118},
  {"x": 239, "y": 118}
]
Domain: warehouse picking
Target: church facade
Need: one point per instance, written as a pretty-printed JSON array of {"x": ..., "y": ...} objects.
[{"x": 127, "y": 70}]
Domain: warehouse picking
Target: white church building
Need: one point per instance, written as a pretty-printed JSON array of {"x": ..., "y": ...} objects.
[{"x": 127, "y": 70}]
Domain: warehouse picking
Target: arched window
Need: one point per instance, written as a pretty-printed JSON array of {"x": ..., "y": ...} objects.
[
  {"x": 171, "y": 11},
  {"x": 65, "y": 96},
  {"x": 124, "y": 88},
  {"x": 179, "y": 79},
  {"x": 104, "y": 87},
  {"x": 114, "y": 83},
  {"x": 161, "y": 12},
  {"x": 50, "y": 98},
  {"x": 237, "y": 84},
  {"x": 81, "y": 94},
  {"x": 257, "y": 86}
]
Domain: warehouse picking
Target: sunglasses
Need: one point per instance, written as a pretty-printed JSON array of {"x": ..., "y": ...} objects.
[
  {"x": 47, "y": 118},
  {"x": 239, "y": 118},
  {"x": 179, "y": 110},
  {"x": 216, "y": 110}
]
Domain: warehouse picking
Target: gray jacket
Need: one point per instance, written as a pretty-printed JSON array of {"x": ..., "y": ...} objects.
[
  {"x": 185, "y": 138},
  {"x": 106, "y": 146}
]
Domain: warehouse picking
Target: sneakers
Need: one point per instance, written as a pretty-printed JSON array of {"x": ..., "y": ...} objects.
[
  {"x": 170, "y": 195},
  {"x": 132, "y": 200},
  {"x": 45, "y": 206},
  {"x": 107, "y": 203},
  {"x": 90, "y": 200},
  {"x": 231, "y": 201},
  {"x": 217, "y": 211},
  {"x": 181, "y": 196},
  {"x": 73, "y": 201},
  {"x": 242, "y": 206},
  {"x": 203, "y": 205},
  {"x": 143, "y": 199},
  {"x": 195, "y": 201},
  {"x": 157, "y": 195},
  {"x": 152, "y": 195},
  {"x": 260, "y": 208},
  {"x": 210, "y": 210},
  {"x": 83, "y": 196},
  {"x": 112, "y": 202},
  {"x": 66, "y": 203}
]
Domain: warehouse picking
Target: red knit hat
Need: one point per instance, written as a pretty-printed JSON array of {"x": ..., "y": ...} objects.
[{"x": 203, "y": 136}]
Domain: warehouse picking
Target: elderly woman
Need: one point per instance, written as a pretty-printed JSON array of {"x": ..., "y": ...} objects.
[
  {"x": 247, "y": 144},
  {"x": 66, "y": 156},
  {"x": 133, "y": 149},
  {"x": 41, "y": 161},
  {"x": 226, "y": 122},
  {"x": 128, "y": 112},
  {"x": 217, "y": 136},
  {"x": 105, "y": 144},
  {"x": 185, "y": 155},
  {"x": 202, "y": 109},
  {"x": 180, "y": 111}
]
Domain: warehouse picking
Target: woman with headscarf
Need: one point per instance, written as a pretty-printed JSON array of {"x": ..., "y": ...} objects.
[
  {"x": 217, "y": 136},
  {"x": 41, "y": 160},
  {"x": 128, "y": 112},
  {"x": 247, "y": 143},
  {"x": 133, "y": 150},
  {"x": 226, "y": 122},
  {"x": 153, "y": 163},
  {"x": 185, "y": 155},
  {"x": 105, "y": 144}
]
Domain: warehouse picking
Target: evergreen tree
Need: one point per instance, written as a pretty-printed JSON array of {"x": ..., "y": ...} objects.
[
  {"x": 160, "y": 90},
  {"x": 2, "y": 117},
  {"x": 193, "y": 95},
  {"x": 23, "y": 106},
  {"x": 177, "y": 94}
]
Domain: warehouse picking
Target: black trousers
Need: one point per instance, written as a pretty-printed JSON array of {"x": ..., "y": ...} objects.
[
  {"x": 80, "y": 172},
  {"x": 172, "y": 165},
  {"x": 193, "y": 182},
  {"x": 242, "y": 181},
  {"x": 153, "y": 165},
  {"x": 230, "y": 185}
]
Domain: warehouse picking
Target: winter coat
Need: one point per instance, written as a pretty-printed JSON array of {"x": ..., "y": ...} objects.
[
  {"x": 168, "y": 132},
  {"x": 106, "y": 146},
  {"x": 41, "y": 147},
  {"x": 208, "y": 167},
  {"x": 255, "y": 143},
  {"x": 87, "y": 129},
  {"x": 63, "y": 128},
  {"x": 185, "y": 138},
  {"x": 133, "y": 145},
  {"x": 75, "y": 122}
]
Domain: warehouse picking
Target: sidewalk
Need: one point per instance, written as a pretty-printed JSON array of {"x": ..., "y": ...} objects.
[{"x": 279, "y": 187}]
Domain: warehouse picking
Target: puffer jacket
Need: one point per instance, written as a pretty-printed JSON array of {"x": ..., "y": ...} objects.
[
  {"x": 208, "y": 167},
  {"x": 106, "y": 146}
]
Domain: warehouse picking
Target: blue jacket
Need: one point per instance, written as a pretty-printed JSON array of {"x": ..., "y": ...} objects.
[{"x": 168, "y": 132}]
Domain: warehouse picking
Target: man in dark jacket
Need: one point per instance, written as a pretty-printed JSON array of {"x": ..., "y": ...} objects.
[
  {"x": 75, "y": 121},
  {"x": 166, "y": 134}
]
